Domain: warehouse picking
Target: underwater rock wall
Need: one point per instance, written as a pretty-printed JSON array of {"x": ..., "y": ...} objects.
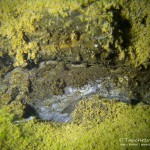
[
  {"x": 74, "y": 74},
  {"x": 107, "y": 31},
  {"x": 59, "y": 44}
]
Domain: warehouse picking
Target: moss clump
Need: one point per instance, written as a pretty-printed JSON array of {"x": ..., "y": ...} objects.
[
  {"x": 98, "y": 123},
  {"x": 14, "y": 87},
  {"x": 136, "y": 18},
  {"x": 46, "y": 27},
  {"x": 114, "y": 32}
]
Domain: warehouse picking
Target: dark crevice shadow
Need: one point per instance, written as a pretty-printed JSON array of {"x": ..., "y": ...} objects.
[
  {"x": 121, "y": 24},
  {"x": 29, "y": 111}
]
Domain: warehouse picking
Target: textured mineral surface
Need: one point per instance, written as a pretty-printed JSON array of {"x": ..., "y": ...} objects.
[{"x": 74, "y": 74}]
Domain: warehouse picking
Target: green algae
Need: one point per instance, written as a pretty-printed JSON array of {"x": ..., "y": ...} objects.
[
  {"x": 138, "y": 32},
  {"x": 114, "y": 32},
  {"x": 98, "y": 123}
]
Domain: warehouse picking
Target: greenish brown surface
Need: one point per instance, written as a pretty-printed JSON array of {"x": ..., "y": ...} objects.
[
  {"x": 98, "y": 123},
  {"x": 115, "y": 32},
  {"x": 48, "y": 45}
]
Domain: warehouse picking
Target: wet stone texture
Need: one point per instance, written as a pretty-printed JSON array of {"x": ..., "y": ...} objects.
[{"x": 52, "y": 89}]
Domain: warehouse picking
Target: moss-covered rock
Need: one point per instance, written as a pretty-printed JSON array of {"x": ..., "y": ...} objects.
[
  {"x": 98, "y": 123},
  {"x": 79, "y": 30},
  {"x": 64, "y": 43}
]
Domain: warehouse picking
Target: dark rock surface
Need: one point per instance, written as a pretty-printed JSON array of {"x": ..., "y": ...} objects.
[{"x": 53, "y": 88}]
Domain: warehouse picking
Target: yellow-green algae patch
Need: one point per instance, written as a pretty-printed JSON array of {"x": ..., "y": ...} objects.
[
  {"x": 17, "y": 17},
  {"x": 20, "y": 17},
  {"x": 97, "y": 124},
  {"x": 113, "y": 30},
  {"x": 138, "y": 14}
]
